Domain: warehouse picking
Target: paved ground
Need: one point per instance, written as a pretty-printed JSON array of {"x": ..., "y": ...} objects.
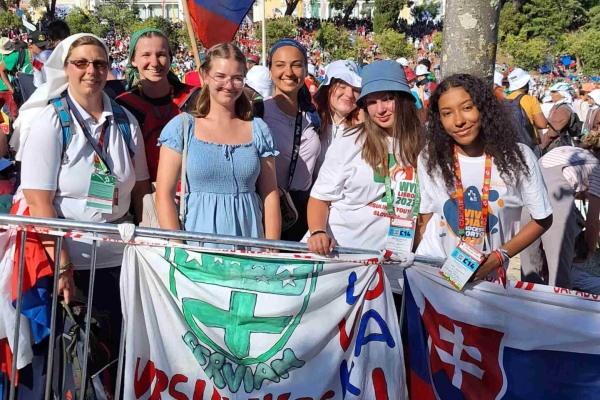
[{"x": 514, "y": 268}]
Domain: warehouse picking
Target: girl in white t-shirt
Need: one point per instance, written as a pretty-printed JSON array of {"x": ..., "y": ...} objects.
[
  {"x": 368, "y": 174},
  {"x": 469, "y": 138}
]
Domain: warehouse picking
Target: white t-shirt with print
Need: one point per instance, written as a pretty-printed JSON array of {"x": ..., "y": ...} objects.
[
  {"x": 505, "y": 204},
  {"x": 45, "y": 168},
  {"x": 358, "y": 214}
]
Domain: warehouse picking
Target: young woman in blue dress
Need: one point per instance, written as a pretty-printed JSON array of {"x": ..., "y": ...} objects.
[{"x": 231, "y": 182}]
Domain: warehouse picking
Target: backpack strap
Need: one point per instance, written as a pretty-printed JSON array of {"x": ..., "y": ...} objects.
[
  {"x": 123, "y": 124},
  {"x": 62, "y": 110}
]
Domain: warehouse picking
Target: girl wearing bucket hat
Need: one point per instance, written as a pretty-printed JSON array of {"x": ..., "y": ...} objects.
[
  {"x": 336, "y": 103},
  {"x": 154, "y": 93},
  {"x": 294, "y": 122},
  {"x": 368, "y": 180},
  {"x": 468, "y": 144}
]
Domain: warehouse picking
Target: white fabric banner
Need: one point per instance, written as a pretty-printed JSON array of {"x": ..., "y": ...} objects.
[{"x": 226, "y": 325}]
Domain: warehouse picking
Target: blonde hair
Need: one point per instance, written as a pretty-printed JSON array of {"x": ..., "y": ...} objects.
[
  {"x": 227, "y": 51},
  {"x": 407, "y": 136},
  {"x": 591, "y": 141},
  {"x": 85, "y": 41}
]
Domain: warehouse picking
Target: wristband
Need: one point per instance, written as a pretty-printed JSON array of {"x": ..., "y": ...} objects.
[
  {"x": 68, "y": 268},
  {"x": 317, "y": 231},
  {"x": 498, "y": 255},
  {"x": 504, "y": 253}
]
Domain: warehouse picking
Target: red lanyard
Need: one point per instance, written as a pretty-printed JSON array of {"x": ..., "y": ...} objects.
[
  {"x": 100, "y": 144},
  {"x": 460, "y": 193}
]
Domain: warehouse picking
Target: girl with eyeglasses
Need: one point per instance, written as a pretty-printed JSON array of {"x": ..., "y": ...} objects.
[
  {"x": 230, "y": 185},
  {"x": 154, "y": 93}
]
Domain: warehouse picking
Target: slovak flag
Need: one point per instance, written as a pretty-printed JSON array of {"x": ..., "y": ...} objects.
[
  {"x": 523, "y": 342},
  {"x": 217, "y": 21}
]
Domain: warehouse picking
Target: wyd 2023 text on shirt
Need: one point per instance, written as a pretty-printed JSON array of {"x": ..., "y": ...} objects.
[
  {"x": 504, "y": 210},
  {"x": 358, "y": 214}
]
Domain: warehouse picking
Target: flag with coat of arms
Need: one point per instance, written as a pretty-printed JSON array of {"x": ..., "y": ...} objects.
[
  {"x": 524, "y": 341},
  {"x": 225, "y": 325}
]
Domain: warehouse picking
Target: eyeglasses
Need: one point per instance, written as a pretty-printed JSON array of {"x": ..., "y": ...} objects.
[
  {"x": 83, "y": 64},
  {"x": 238, "y": 82}
]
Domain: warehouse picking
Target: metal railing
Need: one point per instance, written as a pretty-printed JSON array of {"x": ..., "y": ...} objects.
[{"x": 60, "y": 226}]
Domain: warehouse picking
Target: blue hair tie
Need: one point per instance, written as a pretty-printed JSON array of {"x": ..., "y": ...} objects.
[{"x": 285, "y": 43}]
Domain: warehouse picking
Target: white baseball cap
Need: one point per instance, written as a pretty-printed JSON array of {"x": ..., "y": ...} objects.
[
  {"x": 345, "y": 70},
  {"x": 595, "y": 95},
  {"x": 498, "y": 78},
  {"x": 421, "y": 70},
  {"x": 517, "y": 79},
  {"x": 402, "y": 61}
]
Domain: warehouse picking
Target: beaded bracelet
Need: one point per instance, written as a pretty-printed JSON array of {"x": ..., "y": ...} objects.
[{"x": 68, "y": 267}]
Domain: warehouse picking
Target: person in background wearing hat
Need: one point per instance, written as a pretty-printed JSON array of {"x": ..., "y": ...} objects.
[
  {"x": 581, "y": 103},
  {"x": 468, "y": 141},
  {"x": 294, "y": 122},
  {"x": 559, "y": 118},
  {"x": 518, "y": 86},
  {"x": 367, "y": 182},
  {"x": 411, "y": 78},
  {"x": 259, "y": 87},
  {"x": 569, "y": 173},
  {"x": 499, "y": 85},
  {"x": 424, "y": 86},
  {"x": 154, "y": 94},
  {"x": 336, "y": 103},
  {"x": 9, "y": 68},
  {"x": 592, "y": 119},
  {"x": 37, "y": 42},
  {"x": 251, "y": 61}
]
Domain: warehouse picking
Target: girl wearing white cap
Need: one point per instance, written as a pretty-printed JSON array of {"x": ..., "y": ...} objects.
[
  {"x": 368, "y": 181},
  {"x": 336, "y": 103}
]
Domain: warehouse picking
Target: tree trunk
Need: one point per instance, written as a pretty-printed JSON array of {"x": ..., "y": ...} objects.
[
  {"x": 291, "y": 6},
  {"x": 52, "y": 11},
  {"x": 348, "y": 11},
  {"x": 470, "y": 37}
]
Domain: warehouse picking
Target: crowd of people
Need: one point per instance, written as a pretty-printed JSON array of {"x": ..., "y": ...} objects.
[{"x": 260, "y": 153}]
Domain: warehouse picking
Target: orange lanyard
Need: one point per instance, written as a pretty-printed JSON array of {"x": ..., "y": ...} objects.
[{"x": 460, "y": 193}]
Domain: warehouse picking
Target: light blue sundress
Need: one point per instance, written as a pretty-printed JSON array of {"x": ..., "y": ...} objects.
[{"x": 221, "y": 193}]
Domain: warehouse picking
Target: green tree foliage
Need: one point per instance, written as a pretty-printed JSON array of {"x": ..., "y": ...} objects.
[
  {"x": 118, "y": 16},
  {"x": 394, "y": 44},
  {"x": 527, "y": 54},
  {"x": 176, "y": 36},
  {"x": 9, "y": 20},
  {"x": 277, "y": 28},
  {"x": 346, "y": 6},
  {"x": 542, "y": 18},
  {"x": 338, "y": 42},
  {"x": 82, "y": 21},
  {"x": 386, "y": 14},
  {"x": 584, "y": 45},
  {"x": 437, "y": 42}
]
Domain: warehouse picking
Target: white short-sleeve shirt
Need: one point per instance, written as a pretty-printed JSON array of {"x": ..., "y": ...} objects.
[
  {"x": 504, "y": 210},
  {"x": 46, "y": 167}
]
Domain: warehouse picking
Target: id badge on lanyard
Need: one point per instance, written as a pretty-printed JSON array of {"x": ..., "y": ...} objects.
[
  {"x": 466, "y": 258},
  {"x": 102, "y": 192},
  {"x": 401, "y": 233}
]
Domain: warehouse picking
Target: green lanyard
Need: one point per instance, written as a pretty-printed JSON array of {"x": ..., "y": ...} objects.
[{"x": 390, "y": 200}]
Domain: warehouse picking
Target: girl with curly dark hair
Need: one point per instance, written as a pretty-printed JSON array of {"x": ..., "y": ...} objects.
[{"x": 476, "y": 178}]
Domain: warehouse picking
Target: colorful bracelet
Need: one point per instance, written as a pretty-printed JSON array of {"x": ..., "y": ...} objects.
[
  {"x": 68, "y": 267},
  {"x": 498, "y": 255},
  {"x": 317, "y": 231}
]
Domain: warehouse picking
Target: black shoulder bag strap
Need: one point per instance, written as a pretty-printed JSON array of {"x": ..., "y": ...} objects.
[
  {"x": 87, "y": 133},
  {"x": 296, "y": 149}
]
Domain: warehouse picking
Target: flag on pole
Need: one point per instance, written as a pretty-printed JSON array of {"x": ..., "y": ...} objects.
[{"x": 217, "y": 21}]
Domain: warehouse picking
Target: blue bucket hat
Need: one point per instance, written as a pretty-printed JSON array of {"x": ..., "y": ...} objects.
[{"x": 383, "y": 76}]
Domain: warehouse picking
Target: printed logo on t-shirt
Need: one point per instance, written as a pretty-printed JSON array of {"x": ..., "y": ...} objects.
[
  {"x": 474, "y": 231},
  {"x": 403, "y": 186}
]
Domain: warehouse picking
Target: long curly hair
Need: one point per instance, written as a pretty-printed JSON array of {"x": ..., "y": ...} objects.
[{"x": 497, "y": 132}]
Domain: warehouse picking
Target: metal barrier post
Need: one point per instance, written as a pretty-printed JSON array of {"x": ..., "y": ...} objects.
[
  {"x": 121, "y": 361},
  {"x": 88, "y": 319},
  {"x": 53, "y": 316},
  {"x": 13, "y": 387}
]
